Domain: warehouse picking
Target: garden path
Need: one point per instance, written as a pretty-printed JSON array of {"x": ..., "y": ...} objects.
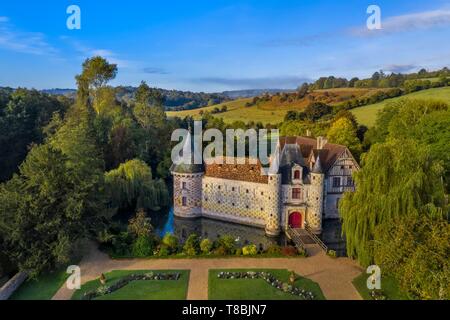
[{"x": 333, "y": 275}]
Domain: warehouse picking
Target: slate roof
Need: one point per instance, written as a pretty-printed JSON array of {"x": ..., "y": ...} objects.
[{"x": 308, "y": 146}]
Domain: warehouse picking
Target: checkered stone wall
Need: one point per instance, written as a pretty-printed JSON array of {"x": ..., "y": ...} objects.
[
  {"x": 315, "y": 203},
  {"x": 235, "y": 201},
  {"x": 187, "y": 192}
]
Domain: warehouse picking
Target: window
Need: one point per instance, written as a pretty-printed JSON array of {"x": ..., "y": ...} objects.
[
  {"x": 336, "y": 182},
  {"x": 233, "y": 189},
  {"x": 349, "y": 182},
  {"x": 184, "y": 186},
  {"x": 184, "y": 201},
  {"x": 297, "y": 175},
  {"x": 337, "y": 203},
  {"x": 296, "y": 194}
]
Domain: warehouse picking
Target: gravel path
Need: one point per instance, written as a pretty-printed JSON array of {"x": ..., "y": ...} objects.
[{"x": 333, "y": 275}]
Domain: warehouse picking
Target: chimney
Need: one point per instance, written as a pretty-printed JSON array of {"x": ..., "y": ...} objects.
[{"x": 321, "y": 142}]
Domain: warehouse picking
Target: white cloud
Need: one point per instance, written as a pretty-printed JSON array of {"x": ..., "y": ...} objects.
[
  {"x": 24, "y": 42},
  {"x": 408, "y": 22},
  {"x": 88, "y": 52}
]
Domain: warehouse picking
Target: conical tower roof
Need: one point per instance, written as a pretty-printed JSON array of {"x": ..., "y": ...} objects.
[
  {"x": 318, "y": 166},
  {"x": 181, "y": 166}
]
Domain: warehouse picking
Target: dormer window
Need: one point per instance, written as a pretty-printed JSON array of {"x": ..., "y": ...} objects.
[{"x": 297, "y": 174}]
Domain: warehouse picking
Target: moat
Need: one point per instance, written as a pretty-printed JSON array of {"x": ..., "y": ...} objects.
[{"x": 166, "y": 222}]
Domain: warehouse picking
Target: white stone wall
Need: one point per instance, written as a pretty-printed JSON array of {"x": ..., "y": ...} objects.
[
  {"x": 331, "y": 210},
  {"x": 273, "y": 205},
  {"x": 235, "y": 201},
  {"x": 315, "y": 202}
]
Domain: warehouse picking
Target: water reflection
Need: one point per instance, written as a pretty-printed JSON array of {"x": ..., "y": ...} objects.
[{"x": 213, "y": 229}]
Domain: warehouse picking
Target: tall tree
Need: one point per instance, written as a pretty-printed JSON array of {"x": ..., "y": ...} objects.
[
  {"x": 398, "y": 179},
  {"x": 43, "y": 210},
  {"x": 343, "y": 132},
  {"x": 131, "y": 187}
]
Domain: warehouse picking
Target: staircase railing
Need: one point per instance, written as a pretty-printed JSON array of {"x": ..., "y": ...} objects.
[
  {"x": 316, "y": 239},
  {"x": 295, "y": 237}
]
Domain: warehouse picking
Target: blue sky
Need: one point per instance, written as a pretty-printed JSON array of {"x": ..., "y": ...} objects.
[{"x": 219, "y": 45}]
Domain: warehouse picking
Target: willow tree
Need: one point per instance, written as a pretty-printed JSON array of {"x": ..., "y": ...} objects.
[
  {"x": 398, "y": 178},
  {"x": 131, "y": 187}
]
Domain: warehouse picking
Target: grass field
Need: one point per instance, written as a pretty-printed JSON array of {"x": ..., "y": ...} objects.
[
  {"x": 273, "y": 111},
  {"x": 367, "y": 115},
  {"x": 389, "y": 287},
  {"x": 44, "y": 288},
  {"x": 141, "y": 290},
  {"x": 256, "y": 289}
]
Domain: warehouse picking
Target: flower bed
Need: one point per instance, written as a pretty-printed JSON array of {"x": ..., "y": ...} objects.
[
  {"x": 150, "y": 276},
  {"x": 271, "y": 280}
]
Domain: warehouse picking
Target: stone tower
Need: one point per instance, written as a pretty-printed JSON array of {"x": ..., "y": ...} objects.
[
  {"x": 187, "y": 183},
  {"x": 273, "y": 199},
  {"x": 316, "y": 197}
]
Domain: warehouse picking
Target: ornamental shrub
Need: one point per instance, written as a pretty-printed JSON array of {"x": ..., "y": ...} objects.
[
  {"x": 206, "y": 246},
  {"x": 274, "y": 249},
  {"x": 192, "y": 245},
  {"x": 250, "y": 250},
  {"x": 170, "y": 242},
  {"x": 142, "y": 247},
  {"x": 163, "y": 251},
  {"x": 227, "y": 243}
]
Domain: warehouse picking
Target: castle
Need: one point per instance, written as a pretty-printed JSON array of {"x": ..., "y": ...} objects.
[{"x": 306, "y": 180}]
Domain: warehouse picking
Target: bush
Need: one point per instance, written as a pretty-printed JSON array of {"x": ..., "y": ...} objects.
[
  {"x": 274, "y": 249},
  {"x": 192, "y": 245},
  {"x": 121, "y": 244},
  {"x": 206, "y": 246},
  {"x": 220, "y": 251},
  {"x": 163, "y": 251},
  {"x": 170, "y": 242},
  {"x": 140, "y": 225},
  {"x": 289, "y": 251},
  {"x": 227, "y": 243},
  {"x": 238, "y": 252},
  {"x": 142, "y": 247},
  {"x": 250, "y": 250},
  {"x": 332, "y": 253}
]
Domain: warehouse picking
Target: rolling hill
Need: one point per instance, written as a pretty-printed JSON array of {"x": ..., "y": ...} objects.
[
  {"x": 272, "y": 109},
  {"x": 367, "y": 115}
]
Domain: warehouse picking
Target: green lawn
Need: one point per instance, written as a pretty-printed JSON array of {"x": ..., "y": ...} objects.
[
  {"x": 256, "y": 289},
  {"x": 389, "y": 287},
  {"x": 367, "y": 115},
  {"x": 44, "y": 288},
  {"x": 141, "y": 290}
]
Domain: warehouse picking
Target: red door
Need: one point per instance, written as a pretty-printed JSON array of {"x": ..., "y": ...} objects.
[{"x": 295, "y": 220}]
